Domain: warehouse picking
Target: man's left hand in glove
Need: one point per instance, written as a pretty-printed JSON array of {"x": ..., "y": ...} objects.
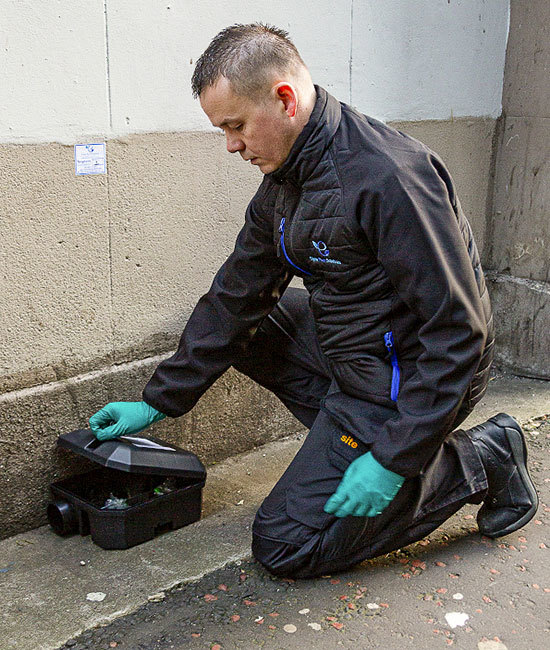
[{"x": 366, "y": 489}]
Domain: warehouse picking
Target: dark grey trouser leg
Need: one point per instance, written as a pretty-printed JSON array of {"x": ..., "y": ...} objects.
[
  {"x": 292, "y": 535},
  {"x": 284, "y": 357}
]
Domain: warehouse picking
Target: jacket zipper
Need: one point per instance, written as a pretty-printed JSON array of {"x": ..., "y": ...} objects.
[
  {"x": 396, "y": 372},
  {"x": 282, "y": 231}
]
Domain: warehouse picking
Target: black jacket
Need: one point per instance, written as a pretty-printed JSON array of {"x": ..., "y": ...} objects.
[{"x": 369, "y": 218}]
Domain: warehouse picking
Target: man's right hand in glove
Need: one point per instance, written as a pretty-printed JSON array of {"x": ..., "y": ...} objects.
[{"x": 123, "y": 419}]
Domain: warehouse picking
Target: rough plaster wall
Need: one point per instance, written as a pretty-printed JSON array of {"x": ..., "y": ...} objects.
[
  {"x": 96, "y": 267},
  {"x": 519, "y": 231}
]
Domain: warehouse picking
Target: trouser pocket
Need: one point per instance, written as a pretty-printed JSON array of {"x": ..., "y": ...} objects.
[{"x": 344, "y": 449}]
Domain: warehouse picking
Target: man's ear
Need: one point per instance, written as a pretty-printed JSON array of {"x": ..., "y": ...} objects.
[{"x": 286, "y": 93}]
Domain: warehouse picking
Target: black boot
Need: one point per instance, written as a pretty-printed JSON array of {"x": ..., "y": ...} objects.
[{"x": 511, "y": 499}]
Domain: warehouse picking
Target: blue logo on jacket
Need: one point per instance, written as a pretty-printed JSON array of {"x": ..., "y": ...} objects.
[
  {"x": 323, "y": 250},
  {"x": 321, "y": 247}
]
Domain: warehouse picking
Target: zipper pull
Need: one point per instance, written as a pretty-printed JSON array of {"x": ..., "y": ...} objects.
[
  {"x": 282, "y": 225},
  {"x": 388, "y": 340}
]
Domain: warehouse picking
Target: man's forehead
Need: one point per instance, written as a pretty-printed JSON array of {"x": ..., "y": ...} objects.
[{"x": 221, "y": 104}]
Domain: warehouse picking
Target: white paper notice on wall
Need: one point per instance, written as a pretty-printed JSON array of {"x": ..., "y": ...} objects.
[{"x": 89, "y": 159}]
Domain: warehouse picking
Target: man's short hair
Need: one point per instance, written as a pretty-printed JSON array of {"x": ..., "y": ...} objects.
[{"x": 248, "y": 56}]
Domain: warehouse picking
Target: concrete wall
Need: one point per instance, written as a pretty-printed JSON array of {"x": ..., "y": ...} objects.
[
  {"x": 519, "y": 230},
  {"x": 100, "y": 273}
]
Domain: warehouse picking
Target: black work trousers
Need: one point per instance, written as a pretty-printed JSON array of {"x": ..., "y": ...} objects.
[{"x": 292, "y": 534}]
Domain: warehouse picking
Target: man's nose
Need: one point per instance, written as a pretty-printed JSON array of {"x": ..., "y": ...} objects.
[{"x": 234, "y": 144}]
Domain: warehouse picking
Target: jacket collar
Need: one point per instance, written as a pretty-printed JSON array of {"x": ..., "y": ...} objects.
[{"x": 312, "y": 142}]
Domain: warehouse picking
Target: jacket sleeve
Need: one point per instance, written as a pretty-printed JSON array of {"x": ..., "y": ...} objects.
[
  {"x": 415, "y": 231},
  {"x": 243, "y": 292}
]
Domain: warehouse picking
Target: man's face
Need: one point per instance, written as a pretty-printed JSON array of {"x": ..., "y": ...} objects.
[{"x": 261, "y": 131}]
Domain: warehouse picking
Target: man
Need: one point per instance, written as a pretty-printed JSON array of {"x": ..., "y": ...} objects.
[{"x": 386, "y": 352}]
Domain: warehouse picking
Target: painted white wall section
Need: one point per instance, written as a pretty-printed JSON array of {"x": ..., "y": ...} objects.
[
  {"x": 89, "y": 68},
  {"x": 53, "y": 84},
  {"x": 153, "y": 51},
  {"x": 429, "y": 59}
]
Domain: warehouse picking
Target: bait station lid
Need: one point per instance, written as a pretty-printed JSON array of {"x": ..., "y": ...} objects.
[{"x": 135, "y": 454}]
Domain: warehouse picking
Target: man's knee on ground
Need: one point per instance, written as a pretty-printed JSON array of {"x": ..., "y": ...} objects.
[
  {"x": 282, "y": 544},
  {"x": 279, "y": 558}
]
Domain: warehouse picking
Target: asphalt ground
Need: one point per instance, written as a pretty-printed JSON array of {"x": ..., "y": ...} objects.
[{"x": 454, "y": 588}]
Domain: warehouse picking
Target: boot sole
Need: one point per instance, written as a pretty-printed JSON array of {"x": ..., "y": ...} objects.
[{"x": 518, "y": 446}]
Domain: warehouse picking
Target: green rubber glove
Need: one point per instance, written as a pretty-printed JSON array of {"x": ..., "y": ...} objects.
[
  {"x": 123, "y": 419},
  {"x": 366, "y": 489}
]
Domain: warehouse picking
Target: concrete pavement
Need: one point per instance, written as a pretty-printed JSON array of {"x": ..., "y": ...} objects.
[{"x": 46, "y": 580}]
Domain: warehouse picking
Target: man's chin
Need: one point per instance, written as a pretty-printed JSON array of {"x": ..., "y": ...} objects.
[{"x": 265, "y": 167}]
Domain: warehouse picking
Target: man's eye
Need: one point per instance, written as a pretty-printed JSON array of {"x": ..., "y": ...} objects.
[{"x": 239, "y": 127}]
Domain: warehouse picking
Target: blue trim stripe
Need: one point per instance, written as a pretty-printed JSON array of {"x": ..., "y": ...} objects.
[
  {"x": 282, "y": 231},
  {"x": 396, "y": 372}
]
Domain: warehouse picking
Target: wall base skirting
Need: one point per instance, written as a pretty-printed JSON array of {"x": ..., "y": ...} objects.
[{"x": 522, "y": 320}]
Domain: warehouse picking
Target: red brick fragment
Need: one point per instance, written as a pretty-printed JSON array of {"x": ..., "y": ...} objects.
[
  {"x": 210, "y": 597},
  {"x": 418, "y": 564}
]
